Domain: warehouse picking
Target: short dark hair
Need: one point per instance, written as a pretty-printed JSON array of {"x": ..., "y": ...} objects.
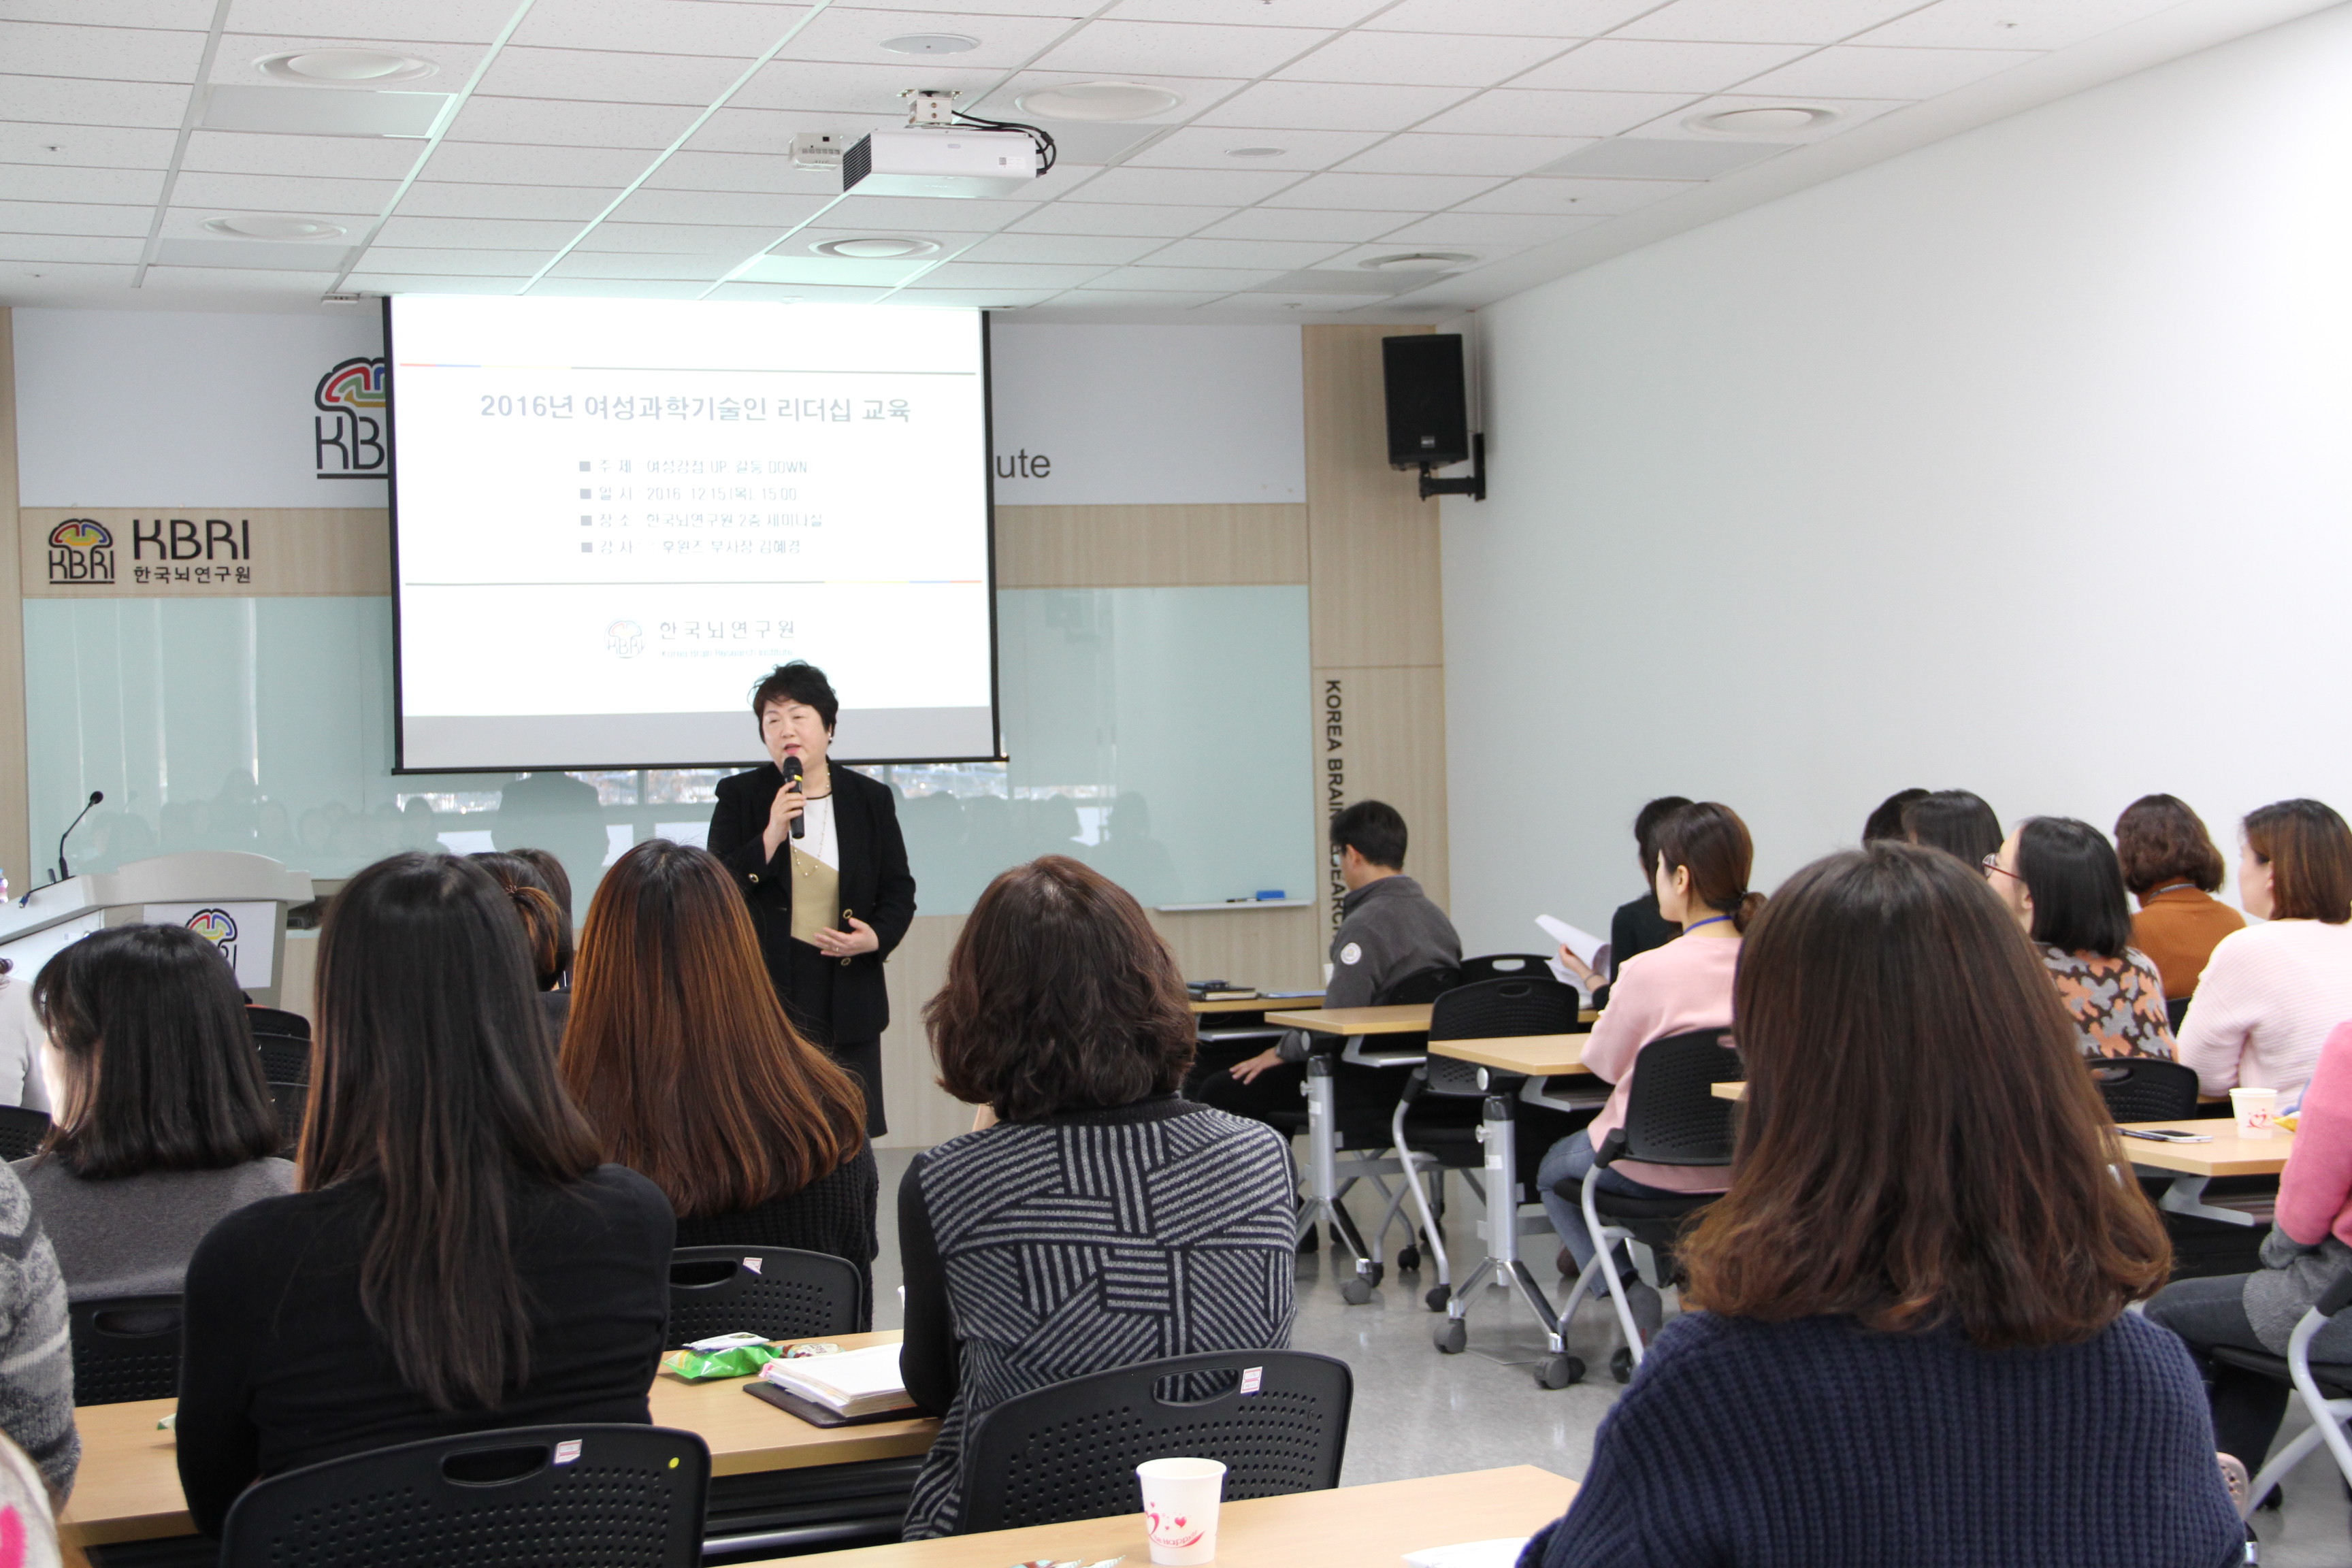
[
  {"x": 166, "y": 1074},
  {"x": 1710, "y": 840},
  {"x": 1374, "y": 829},
  {"x": 1059, "y": 996},
  {"x": 1887, "y": 821},
  {"x": 546, "y": 919},
  {"x": 2071, "y": 870},
  {"x": 1645, "y": 827},
  {"x": 1920, "y": 1146},
  {"x": 799, "y": 681},
  {"x": 2160, "y": 839},
  {"x": 559, "y": 880},
  {"x": 2309, "y": 852},
  {"x": 1956, "y": 822}
]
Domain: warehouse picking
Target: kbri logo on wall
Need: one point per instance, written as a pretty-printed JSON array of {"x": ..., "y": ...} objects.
[
  {"x": 347, "y": 433},
  {"x": 81, "y": 551},
  {"x": 216, "y": 927}
]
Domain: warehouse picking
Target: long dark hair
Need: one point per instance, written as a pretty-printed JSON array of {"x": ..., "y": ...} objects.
[
  {"x": 1711, "y": 841},
  {"x": 546, "y": 918},
  {"x": 1059, "y": 996},
  {"x": 164, "y": 1073},
  {"x": 2077, "y": 884},
  {"x": 1921, "y": 1145},
  {"x": 681, "y": 1056},
  {"x": 1956, "y": 822},
  {"x": 436, "y": 1082},
  {"x": 2309, "y": 852}
]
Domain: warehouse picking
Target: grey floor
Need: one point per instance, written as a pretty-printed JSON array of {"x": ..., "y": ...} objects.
[{"x": 1418, "y": 1413}]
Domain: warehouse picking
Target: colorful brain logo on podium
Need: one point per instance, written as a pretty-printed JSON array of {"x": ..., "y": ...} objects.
[
  {"x": 82, "y": 551},
  {"x": 216, "y": 927}
]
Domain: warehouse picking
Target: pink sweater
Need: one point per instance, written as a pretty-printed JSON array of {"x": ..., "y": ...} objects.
[
  {"x": 2315, "y": 1190},
  {"x": 1669, "y": 990},
  {"x": 2269, "y": 995}
]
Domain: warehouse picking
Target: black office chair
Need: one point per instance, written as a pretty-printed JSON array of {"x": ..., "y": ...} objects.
[
  {"x": 21, "y": 1131},
  {"x": 1069, "y": 1451},
  {"x": 284, "y": 1060},
  {"x": 2176, "y": 1012},
  {"x": 125, "y": 1348},
  {"x": 775, "y": 1292},
  {"x": 1672, "y": 1118},
  {"x": 293, "y": 1103},
  {"x": 277, "y": 1021},
  {"x": 526, "y": 1497},
  {"x": 1505, "y": 966},
  {"x": 2321, "y": 1385},
  {"x": 2144, "y": 1089},
  {"x": 1367, "y": 1078}
]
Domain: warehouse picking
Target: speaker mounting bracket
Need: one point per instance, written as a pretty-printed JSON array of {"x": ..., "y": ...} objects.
[{"x": 1474, "y": 486}]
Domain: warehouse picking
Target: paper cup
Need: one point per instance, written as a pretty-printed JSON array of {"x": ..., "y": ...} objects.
[
  {"x": 2256, "y": 1110},
  {"x": 1179, "y": 1507}
]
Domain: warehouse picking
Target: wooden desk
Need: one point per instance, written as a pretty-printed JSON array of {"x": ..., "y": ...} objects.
[
  {"x": 1734, "y": 1090},
  {"x": 1258, "y": 1004},
  {"x": 1361, "y": 1525},
  {"x": 1412, "y": 1019},
  {"x": 1538, "y": 1055},
  {"x": 2192, "y": 1166},
  {"x": 129, "y": 1487}
]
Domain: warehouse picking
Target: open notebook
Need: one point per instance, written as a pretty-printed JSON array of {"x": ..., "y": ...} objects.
[{"x": 854, "y": 1383}]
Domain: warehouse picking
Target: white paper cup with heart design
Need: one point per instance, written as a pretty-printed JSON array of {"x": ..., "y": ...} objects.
[{"x": 1179, "y": 1509}]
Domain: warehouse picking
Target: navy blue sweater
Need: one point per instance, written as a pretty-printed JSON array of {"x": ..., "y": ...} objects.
[{"x": 1818, "y": 1443}]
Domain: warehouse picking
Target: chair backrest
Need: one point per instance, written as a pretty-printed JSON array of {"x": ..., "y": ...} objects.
[
  {"x": 284, "y": 1059},
  {"x": 125, "y": 1348},
  {"x": 21, "y": 1131},
  {"x": 1505, "y": 966},
  {"x": 1491, "y": 1009},
  {"x": 2176, "y": 1012},
  {"x": 293, "y": 1103},
  {"x": 277, "y": 1021},
  {"x": 1671, "y": 1116},
  {"x": 1069, "y": 1451},
  {"x": 2143, "y": 1089},
  {"x": 776, "y": 1293},
  {"x": 525, "y": 1497},
  {"x": 1421, "y": 986}
]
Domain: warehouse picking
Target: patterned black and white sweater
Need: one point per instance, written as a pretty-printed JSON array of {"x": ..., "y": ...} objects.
[
  {"x": 1039, "y": 1251},
  {"x": 36, "y": 1405}
]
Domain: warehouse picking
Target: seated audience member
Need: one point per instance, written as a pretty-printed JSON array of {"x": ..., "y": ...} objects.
[
  {"x": 36, "y": 1407},
  {"x": 1955, "y": 821},
  {"x": 28, "y": 1522},
  {"x": 457, "y": 1260},
  {"x": 2060, "y": 879},
  {"x": 1389, "y": 930},
  {"x": 1093, "y": 1219},
  {"x": 2173, "y": 869},
  {"x": 1911, "y": 1346},
  {"x": 23, "y": 1080},
  {"x": 559, "y": 882},
  {"x": 1704, "y": 859},
  {"x": 1885, "y": 823},
  {"x": 1637, "y": 927},
  {"x": 546, "y": 927},
  {"x": 2305, "y": 1252},
  {"x": 682, "y": 1060},
  {"x": 166, "y": 1124},
  {"x": 2270, "y": 992}
]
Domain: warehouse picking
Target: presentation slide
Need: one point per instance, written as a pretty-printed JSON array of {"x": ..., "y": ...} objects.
[{"x": 612, "y": 517}]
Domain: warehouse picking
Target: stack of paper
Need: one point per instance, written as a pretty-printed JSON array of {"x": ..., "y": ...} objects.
[
  {"x": 1590, "y": 951},
  {"x": 855, "y": 1382}
]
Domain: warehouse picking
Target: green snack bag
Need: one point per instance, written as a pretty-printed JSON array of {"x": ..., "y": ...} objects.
[{"x": 723, "y": 1355}]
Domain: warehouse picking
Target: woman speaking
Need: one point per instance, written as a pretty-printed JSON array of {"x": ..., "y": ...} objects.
[{"x": 819, "y": 858}]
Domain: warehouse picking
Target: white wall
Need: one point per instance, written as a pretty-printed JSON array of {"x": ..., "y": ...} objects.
[{"x": 2020, "y": 463}]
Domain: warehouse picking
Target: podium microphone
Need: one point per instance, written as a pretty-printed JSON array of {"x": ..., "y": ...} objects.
[
  {"x": 792, "y": 782},
  {"x": 63, "y": 870}
]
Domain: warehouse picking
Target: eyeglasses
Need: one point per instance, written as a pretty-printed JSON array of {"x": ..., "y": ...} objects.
[{"x": 1992, "y": 863}]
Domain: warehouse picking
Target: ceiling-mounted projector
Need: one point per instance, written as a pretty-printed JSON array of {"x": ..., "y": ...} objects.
[{"x": 940, "y": 163}]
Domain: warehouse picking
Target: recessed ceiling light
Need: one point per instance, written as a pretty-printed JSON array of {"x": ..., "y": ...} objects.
[
  {"x": 1255, "y": 152},
  {"x": 270, "y": 225},
  {"x": 1778, "y": 121},
  {"x": 930, "y": 44},
  {"x": 1418, "y": 261},
  {"x": 345, "y": 67},
  {"x": 877, "y": 249},
  {"x": 1098, "y": 100}
]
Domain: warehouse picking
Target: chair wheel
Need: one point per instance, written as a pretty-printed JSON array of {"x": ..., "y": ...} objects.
[
  {"x": 1620, "y": 1363},
  {"x": 1355, "y": 1292},
  {"x": 1409, "y": 1260},
  {"x": 1452, "y": 1337},
  {"x": 1438, "y": 1296},
  {"x": 1558, "y": 1371},
  {"x": 1372, "y": 1273}
]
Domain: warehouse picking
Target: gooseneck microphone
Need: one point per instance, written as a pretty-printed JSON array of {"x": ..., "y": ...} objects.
[
  {"x": 64, "y": 870},
  {"x": 792, "y": 782}
]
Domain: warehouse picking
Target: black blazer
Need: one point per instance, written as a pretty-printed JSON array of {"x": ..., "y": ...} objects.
[{"x": 876, "y": 885}]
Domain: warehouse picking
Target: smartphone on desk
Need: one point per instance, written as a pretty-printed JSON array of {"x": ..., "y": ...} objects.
[{"x": 2165, "y": 1136}]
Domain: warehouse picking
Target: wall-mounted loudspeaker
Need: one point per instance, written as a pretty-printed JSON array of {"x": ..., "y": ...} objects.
[{"x": 1429, "y": 412}]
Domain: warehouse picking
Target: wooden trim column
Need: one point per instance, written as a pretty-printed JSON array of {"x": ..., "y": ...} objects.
[{"x": 16, "y": 812}]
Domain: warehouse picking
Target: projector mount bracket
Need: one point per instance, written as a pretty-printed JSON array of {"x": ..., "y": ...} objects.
[
  {"x": 1474, "y": 486},
  {"x": 934, "y": 109}
]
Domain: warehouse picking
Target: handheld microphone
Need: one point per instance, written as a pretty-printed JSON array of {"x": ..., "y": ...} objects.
[
  {"x": 792, "y": 782},
  {"x": 63, "y": 870}
]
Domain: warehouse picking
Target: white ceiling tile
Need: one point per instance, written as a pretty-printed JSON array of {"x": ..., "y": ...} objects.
[
  {"x": 476, "y": 233},
  {"x": 1636, "y": 65},
  {"x": 766, "y": 173},
  {"x": 630, "y": 26},
  {"x": 51, "y": 100},
  {"x": 648, "y": 127},
  {"x": 1380, "y": 58},
  {"x": 793, "y": 293},
  {"x": 470, "y": 262},
  {"x": 1529, "y": 18},
  {"x": 677, "y": 238},
  {"x": 281, "y": 194},
  {"x": 170, "y": 281},
  {"x": 483, "y": 163},
  {"x": 438, "y": 198},
  {"x": 319, "y": 157},
  {"x": 1175, "y": 49},
  {"x": 458, "y": 21},
  {"x": 1248, "y": 13},
  {"x": 709, "y": 268},
  {"x": 1857, "y": 72},
  {"x": 1479, "y": 255},
  {"x": 770, "y": 130},
  {"x": 72, "y": 217},
  {"x": 608, "y": 75},
  {"x": 1006, "y": 275},
  {"x": 1510, "y": 112},
  {"x": 1765, "y": 21},
  {"x": 1209, "y": 147},
  {"x": 1487, "y": 229},
  {"x": 85, "y": 146},
  {"x": 1067, "y": 9},
  {"x": 1304, "y": 223},
  {"x": 240, "y": 54},
  {"x": 1280, "y": 254},
  {"x": 30, "y": 282},
  {"x": 807, "y": 85},
  {"x": 1576, "y": 198},
  {"x": 1330, "y": 105},
  {"x": 100, "y": 54},
  {"x": 974, "y": 298},
  {"x": 70, "y": 247},
  {"x": 1130, "y": 298},
  {"x": 188, "y": 15},
  {"x": 375, "y": 282},
  {"x": 724, "y": 208},
  {"x": 619, "y": 289},
  {"x": 2009, "y": 24},
  {"x": 1216, "y": 279},
  {"x": 856, "y": 37},
  {"x": 1071, "y": 249},
  {"x": 921, "y": 215},
  {"x": 1301, "y": 307},
  {"x": 1192, "y": 94},
  {"x": 1194, "y": 187},
  {"x": 1403, "y": 193},
  {"x": 1108, "y": 218},
  {"x": 1418, "y": 153},
  {"x": 1681, "y": 125},
  {"x": 40, "y": 183}
]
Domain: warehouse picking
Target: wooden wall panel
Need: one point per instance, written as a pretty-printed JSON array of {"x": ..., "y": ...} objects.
[
  {"x": 305, "y": 551},
  {"x": 1148, "y": 546},
  {"x": 1371, "y": 540},
  {"x": 1393, "y": 748},
  {"x": 15, "y": 803}
]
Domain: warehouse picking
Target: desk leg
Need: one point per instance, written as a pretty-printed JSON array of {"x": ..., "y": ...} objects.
[
  {"x": 1323, "y": 1180},
  {"x": 1498, "y": 1134},
  {"x": 2187, "y": 1196}
]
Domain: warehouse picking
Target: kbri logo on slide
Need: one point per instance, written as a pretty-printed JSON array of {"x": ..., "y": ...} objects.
[
  {"x": 216, "y": 927},
  {"x": 347, "y": 433},
  {"x": 81, "y": 552},
  {"x": 625, "y": 639}
]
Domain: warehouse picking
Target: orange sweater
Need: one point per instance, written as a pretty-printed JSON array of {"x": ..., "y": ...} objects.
[{"x": 2178, "y": 928}]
